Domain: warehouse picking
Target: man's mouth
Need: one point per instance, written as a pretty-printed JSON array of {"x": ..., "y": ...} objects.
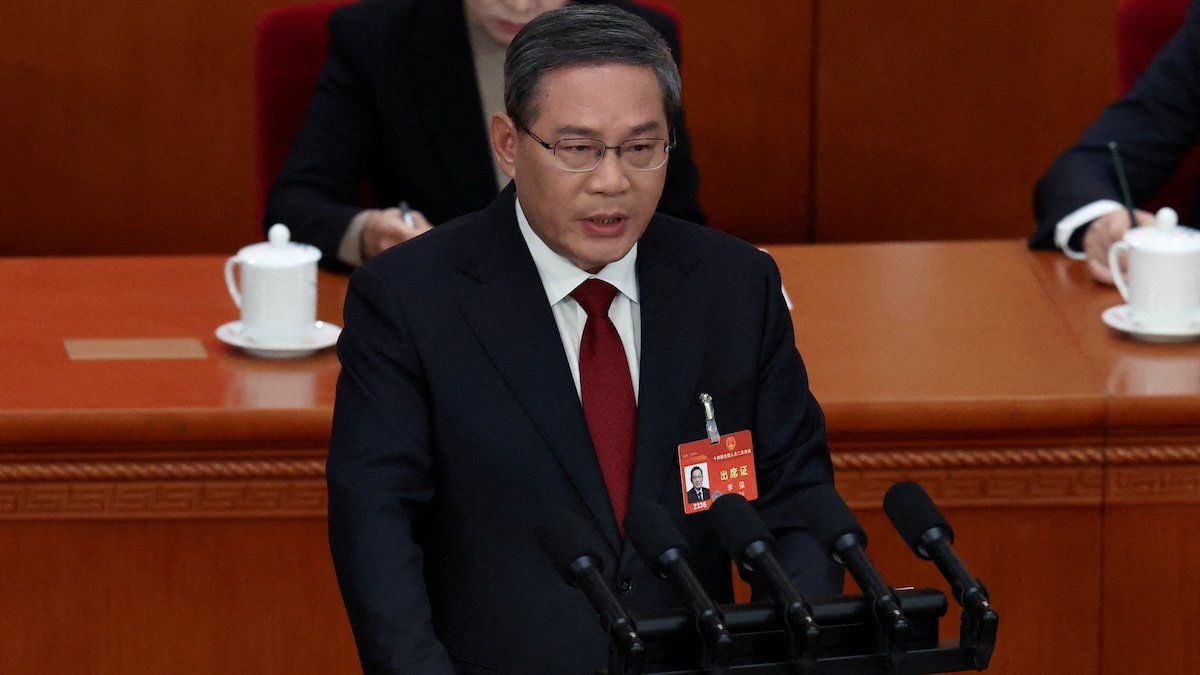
[{"x": 605, "y": 225}]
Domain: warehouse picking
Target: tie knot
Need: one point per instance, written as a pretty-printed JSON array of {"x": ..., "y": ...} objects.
[{"x": 594, "y": 296}]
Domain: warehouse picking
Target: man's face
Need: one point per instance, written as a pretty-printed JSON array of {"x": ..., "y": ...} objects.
[
  {"x": 590, "y": 218},
  {"x": 697, "y": 477},
  {"x": 503, "y": 19}
]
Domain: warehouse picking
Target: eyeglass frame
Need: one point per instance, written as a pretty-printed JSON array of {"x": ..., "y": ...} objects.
[{"x": 554, "y": 149}]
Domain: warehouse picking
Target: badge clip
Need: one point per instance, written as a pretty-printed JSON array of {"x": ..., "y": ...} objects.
[{"x": 710, "y": 419}]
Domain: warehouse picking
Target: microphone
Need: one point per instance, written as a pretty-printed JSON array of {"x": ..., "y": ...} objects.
[
  {"x": 561, "y": 537},
  {"x": 747, "y": 540},
  {"x": 925, "y": 530},
  {"x": 838, "y": 532},
  {"x": 660, "y": 545}
]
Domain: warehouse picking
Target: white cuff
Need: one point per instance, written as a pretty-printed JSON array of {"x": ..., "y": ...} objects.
[
  {"x": 1077, "y": 219},
  {"x": 350, "y": 248}
]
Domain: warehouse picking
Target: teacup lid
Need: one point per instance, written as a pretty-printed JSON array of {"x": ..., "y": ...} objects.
[
  {"x": 279, "y": 250},
  {"x": 1165, "y": 235}
]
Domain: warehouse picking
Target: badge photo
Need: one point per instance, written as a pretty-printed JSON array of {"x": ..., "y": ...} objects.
[
  {"x": 696, "y": 486},
  {"x": 724, "y": 467}
]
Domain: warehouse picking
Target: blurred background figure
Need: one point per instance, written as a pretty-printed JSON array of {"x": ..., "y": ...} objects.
[
  {"x": 1078, "y": 202},
  {"x": 399, "y": 115}
]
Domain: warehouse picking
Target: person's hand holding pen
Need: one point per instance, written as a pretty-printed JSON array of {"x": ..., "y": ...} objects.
[
  {"x": 389, "y": 227},
  {"x": 1102, "y": 234},
  {"x": 1111, "y": 228}
]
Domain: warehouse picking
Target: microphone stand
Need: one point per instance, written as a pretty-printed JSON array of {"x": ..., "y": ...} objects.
[
  {"x": 979, "y": 621},
  {"x": 804, "y": 635},
  {"x": 891, "y": 625}
]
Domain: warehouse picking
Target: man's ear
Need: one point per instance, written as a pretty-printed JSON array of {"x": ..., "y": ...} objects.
[{"x": 503, "y": 134}]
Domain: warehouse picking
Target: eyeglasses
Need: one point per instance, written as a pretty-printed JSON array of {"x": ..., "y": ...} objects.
[{"x": 584, "y": 154}]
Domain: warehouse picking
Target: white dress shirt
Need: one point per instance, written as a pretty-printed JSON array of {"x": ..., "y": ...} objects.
[
  {"x": 1077, "y": 219},
  {"x": 560, "y": 276}
]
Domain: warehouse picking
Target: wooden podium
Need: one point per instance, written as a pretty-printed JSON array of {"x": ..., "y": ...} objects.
[{"x": 168, "y": 514}]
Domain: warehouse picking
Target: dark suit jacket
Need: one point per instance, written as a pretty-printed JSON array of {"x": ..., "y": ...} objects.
[
  {"x": 454, "y": 376},
  {"x": 693, "y": 497},
  {"x": 1156, "y": 124},
  {"x": 397, "y": 105}
]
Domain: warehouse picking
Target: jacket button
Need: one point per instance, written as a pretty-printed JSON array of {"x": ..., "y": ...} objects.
[{"x": 625, "y": 585}]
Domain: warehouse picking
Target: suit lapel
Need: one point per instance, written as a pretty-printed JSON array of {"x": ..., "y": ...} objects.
[
  {"x": 511, "y": 318},
  {"x": 447, "y": 95},
  {"x": 673, "y": 313}
]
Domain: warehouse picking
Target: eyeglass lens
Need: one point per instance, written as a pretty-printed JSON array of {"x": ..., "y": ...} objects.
[{"x": 583, "y": 154}]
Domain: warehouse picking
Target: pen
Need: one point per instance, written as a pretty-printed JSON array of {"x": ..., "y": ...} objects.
[
  {"x": 406, "y": 214},
  {"x": 1116, "y": 157}
]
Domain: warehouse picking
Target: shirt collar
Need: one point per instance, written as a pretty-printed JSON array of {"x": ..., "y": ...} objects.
[{"x": 560, "y": 276}]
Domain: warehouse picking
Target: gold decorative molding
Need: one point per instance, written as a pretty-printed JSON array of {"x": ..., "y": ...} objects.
[
  {"x": 1154, "y": 454},
  {"x": 156, "y": 499},
  {"x": 163, "y": 488},
  {"x": 990, "y": 487},
  {"x": 143, "y": 470},
  {"x": 264, "y": 487},
  {"x": 1163, "y": 484},
  {"x": 967, "y": 459}
]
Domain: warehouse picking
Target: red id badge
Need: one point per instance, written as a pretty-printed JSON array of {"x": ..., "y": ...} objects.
[{"x": 708, "y": 470}]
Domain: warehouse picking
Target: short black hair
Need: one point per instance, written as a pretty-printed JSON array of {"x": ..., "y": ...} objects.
[{"x": 579, "y": 35}]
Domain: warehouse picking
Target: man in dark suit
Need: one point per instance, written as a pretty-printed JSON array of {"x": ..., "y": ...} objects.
[
  {"x": 549, "y": 352},
  {"x": 401, "y": 108},
  {"x": 698, "y": 493},
  {"x": 1078, "y": 203}
]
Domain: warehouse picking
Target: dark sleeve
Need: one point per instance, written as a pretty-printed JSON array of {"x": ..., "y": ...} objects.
[
  {"x": 1155, "y": 124},
  {"x": 379, "y": 475},
  {"x": 317, "y": 192},
  {"x": 791, "y": 452}
]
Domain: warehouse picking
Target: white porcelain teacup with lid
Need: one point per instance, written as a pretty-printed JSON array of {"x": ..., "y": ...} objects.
[
  {"x": 278, "y": 293},
  {"x": 1162, "y": 284}
]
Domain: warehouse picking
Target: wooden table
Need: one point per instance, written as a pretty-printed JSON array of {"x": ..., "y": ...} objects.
[
  {"x": 160, "y": 516},
  {"x": 169, "y": 515}
]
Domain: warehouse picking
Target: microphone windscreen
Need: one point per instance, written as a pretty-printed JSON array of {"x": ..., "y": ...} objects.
[
  {"x": 737, "y": 524},
  {"x": 563, "y": 535},
  {"x": 913, "y": 513},
  {"x": 652, "y": 532},
  {"x": 827, "y": 516}
]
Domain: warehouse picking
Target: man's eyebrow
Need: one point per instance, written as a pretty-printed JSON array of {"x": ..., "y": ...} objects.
[
  {"x": 644, "y": 128},
  {"x": 571, "y": 129},
  {"x": 588, "y": 132}
]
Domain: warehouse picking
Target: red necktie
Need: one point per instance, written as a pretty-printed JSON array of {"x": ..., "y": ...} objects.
[{"x": 607, "y": 389}]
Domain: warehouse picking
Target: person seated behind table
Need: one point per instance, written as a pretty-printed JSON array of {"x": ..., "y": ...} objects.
[
  {"x": 1078, "y": 203},
  {"x": 402, "y": 104}
]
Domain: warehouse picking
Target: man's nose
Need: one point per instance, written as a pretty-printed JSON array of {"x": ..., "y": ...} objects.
[
  {"x": 609, "y": 175},
  {"x": 521, "y": 6}
]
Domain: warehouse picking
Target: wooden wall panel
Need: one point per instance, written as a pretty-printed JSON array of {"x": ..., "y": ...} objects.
[
  {"x": 176, "y": 596},
  {"x": 1151, "y": 553},
  {"x": 127, "y": 126},
  {"x": 1049, "y": 604},
  {"x": 935, "y": 119},
  {"x": 748, "y": 89}
]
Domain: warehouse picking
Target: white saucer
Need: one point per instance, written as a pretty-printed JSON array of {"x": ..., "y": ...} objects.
[
  {"x": 1119, "y": 318},
  {"x": 321, "y": 336}
]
